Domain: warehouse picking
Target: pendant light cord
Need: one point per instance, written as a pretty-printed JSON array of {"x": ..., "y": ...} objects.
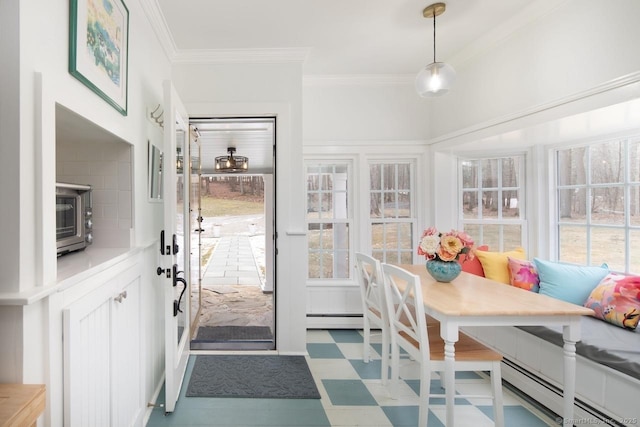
[{"x": 434, "y": 34}]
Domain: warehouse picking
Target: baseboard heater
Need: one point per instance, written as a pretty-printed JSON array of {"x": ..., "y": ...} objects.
[{"x": 588, "y": 411}]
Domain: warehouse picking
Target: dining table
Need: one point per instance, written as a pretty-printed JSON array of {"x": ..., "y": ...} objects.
[{"x": 471, "y": 300}]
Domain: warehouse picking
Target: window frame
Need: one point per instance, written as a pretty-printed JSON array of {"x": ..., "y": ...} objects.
[
  {"x": 349, "y": 220},
  {"x": 412, "y": 220},
  {"x": 589, "y": 224},
  {"x": 521, "y": 188}
]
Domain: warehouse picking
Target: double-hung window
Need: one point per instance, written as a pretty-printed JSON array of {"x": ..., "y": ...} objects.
[
  {"x": 391, "y": 212},
  {"x": 328, "y": 220},
  {"x": 492, "y": 201},
  {"x": 598, "y": 204}
]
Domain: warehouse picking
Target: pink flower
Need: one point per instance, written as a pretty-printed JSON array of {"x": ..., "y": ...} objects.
[
  {"x": 431, "y": 231},
  {"x": 445, "y": 246},
  {"x": 465, "y": 238}
]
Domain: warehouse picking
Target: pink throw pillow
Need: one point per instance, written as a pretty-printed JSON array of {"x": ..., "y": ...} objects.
[
  {"x": 617, "y": 300},
  {"x": 523, "y": 274}
]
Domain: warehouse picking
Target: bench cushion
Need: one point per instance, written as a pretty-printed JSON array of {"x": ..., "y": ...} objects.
[{"x": 601, "y": 342}]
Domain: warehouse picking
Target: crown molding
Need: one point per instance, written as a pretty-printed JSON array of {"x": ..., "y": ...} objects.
[
  {"x": 226, "y": 56},
  {"x": 358, "y": 80},
  {"x": 159, "y": 24}
]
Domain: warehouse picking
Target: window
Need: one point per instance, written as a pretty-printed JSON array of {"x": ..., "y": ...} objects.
[
  {"x": 492, "y": 196},
  {"x": 598, "y": 204},
  {"x": 328, "y": 220},
  {"x": 391, "y": 212}
]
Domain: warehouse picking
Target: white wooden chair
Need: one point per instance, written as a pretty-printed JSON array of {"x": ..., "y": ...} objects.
[
  {"x": 369, "y": 276},
  {"x": 408, "y": 330}
]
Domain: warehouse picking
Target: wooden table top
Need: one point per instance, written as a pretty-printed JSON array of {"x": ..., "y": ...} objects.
[
  {"x": 21, "y": 404},
  {"x": 471, "y": 295}
]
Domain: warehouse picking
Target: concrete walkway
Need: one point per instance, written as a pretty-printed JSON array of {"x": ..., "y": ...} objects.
[{"x": 232, "y": 263}]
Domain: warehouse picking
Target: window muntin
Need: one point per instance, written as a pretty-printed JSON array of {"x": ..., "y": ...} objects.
[
  {"x": 598, "y": 204},
  {"x": 328, "y": 221},
  {"x": 391, "y": 212},
  {"x": 492, "y": 195}
]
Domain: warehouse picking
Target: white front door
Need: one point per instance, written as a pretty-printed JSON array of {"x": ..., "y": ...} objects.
[{"x": 176, "y": 244}]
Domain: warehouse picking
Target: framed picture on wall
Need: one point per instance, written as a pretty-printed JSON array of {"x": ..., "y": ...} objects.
[{"x": 98, "y": 48}]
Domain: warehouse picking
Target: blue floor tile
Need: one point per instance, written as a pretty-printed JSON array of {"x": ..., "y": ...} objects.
[
  {"x": 434, "y": 389},
  {"x": 348, "y": 393},
  {"x": 346, "y": 336},
  {"x": 405, "y": 416},
  {"x": 367, "y": 371},
  {"x": 324, "y": 351}
]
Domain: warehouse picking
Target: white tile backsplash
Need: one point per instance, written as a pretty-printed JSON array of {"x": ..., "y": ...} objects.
[
  {"x": 124, "y": 176},
  {"x": 107, "y": 168},
  {"x": 124, "y": 204},
  {"x": 103, "y": 168},
  {"x": 110, "y": 182},
  {"x": 75, "y": 168}
]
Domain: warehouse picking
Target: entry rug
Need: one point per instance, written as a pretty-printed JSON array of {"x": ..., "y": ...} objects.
[
  {"x": 252, "y": 376},
  {"x": 233, "y": 333}
]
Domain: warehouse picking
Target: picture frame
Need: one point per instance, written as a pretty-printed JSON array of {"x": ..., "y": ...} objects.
[{"x": 99, "y": 48}]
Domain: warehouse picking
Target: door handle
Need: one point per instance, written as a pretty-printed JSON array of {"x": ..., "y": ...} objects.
[{"x": 176, "y": 279}]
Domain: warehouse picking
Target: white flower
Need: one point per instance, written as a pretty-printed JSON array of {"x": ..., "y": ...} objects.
[{"x": 429, "y": 244}]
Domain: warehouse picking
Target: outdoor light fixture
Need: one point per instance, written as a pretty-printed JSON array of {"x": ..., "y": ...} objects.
[
  {"x": 231, "y": 163},
  {"x": 436, "y": 78}
]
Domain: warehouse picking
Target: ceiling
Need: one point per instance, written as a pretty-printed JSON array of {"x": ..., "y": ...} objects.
[
  {"x": 330, "y": 38},
  {"x": 338, "y": 37}
]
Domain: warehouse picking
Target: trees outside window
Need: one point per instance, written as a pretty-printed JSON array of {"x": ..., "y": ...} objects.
[
  {"x": 492, "y": 201},
  {"x": 391, "y": 212},
  {"x": 328, "y": 220},
  {"x": 598, "y": 204}
]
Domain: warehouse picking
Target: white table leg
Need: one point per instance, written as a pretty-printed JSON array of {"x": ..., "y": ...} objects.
[
  {"x": 449, "y": 378},
  {"x": 571, "y": 334}
]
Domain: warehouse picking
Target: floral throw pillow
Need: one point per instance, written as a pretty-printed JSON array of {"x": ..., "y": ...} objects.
[
  {"x": 617, "y": 300},
  {"x": 523, "y": 274}
]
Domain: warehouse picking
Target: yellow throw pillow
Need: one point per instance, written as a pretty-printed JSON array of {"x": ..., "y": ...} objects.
[{"x": 496, "y": 264}]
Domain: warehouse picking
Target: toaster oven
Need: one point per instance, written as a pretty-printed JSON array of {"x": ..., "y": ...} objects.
[{"x": 74, "y": 222}]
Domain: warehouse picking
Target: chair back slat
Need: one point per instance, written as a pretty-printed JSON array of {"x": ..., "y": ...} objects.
[
  {"x": 404, "y": 307},
  {"x": 369, "y": 276}
]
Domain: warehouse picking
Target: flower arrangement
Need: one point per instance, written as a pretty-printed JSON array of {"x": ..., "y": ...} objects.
[{"x": 445, "y": 246}]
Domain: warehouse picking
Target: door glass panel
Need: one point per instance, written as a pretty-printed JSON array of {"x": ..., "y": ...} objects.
[
  {"x": 180, "y": 313},
  {"x": 196, "y": 230}
]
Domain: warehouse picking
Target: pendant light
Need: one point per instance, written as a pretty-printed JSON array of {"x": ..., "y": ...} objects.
[{"x": 436, "y": 78}]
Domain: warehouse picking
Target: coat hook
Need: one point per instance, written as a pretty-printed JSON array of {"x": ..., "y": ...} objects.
[{"x": 158, "y": 118}]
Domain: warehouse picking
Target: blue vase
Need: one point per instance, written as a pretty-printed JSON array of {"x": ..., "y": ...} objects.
[{"x": 443, "y": 271}]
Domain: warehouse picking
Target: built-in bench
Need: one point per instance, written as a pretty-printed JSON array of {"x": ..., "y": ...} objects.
[
  {"x": 607, "y": 356},
  {"x": 600, "y": 342},
  {"x": 607, "y": 368}
]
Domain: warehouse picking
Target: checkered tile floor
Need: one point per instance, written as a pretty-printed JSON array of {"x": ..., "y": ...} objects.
[{"x": 353, "y": 395}]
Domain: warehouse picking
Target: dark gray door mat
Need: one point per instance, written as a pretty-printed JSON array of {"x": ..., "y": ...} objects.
[{"x": 252, "y": 376}]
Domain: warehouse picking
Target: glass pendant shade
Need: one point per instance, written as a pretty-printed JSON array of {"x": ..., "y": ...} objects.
[{"x": 435, "y": 79}]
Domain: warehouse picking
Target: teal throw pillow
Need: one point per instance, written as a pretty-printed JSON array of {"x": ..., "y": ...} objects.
[{"x": 571, "y": 283}]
